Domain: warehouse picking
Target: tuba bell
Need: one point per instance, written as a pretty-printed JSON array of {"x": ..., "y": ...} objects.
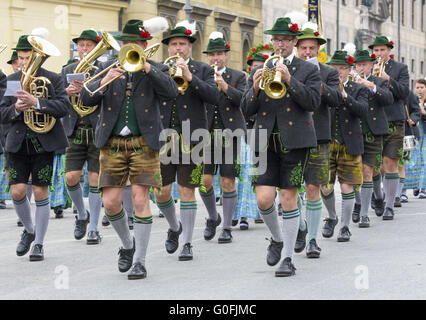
[
  {"x": 176, "y": 73},
  {"x": 270, "y": 81},
  {"x": 37, "y": 86},
  {"x": 86, "y": 64}
]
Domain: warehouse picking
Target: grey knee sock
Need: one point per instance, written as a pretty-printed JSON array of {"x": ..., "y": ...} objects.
[
  {"x": 188, "y": 211},
  {"x": 229, "y": 204},
  {"x": 357, "y": 195},
  {"x": 377, "y": 185},
  {"x": 120, "y": 225},
  {"x": 330, "y": 204},
  {"x": 209, "y": 199},
  {"x": 390, "y": 185},
  {"x": 348, "y": 200},
  {"x": 302, "y": 223},
  {"x": 29, "y": 190},
  {"x": 270, "y": 217},
  {"x": 23, "y": 211},
  {"x": 41, "y": 220},
  {"x": 313, "y": 217},
  {"x": 142, "y": 233},
  {"x": 127, "y": 201},
  {"x": 290, "y": 230},
  {"x": 400, "y": 187},
  {"x": 76, "y": 195},
  {"x": 366, "y": 193},
  {"x": 169, "y": 210},
  {"x": 95, "y": 203}
]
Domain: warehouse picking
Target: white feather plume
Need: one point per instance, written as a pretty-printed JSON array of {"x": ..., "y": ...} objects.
[
  {"x": 187, "y": 25},
  {"x": 156, "y": 25},
  {"x": 297, "y": 17},
  {"x": 310, "y": 25},
  {"x": 215, "y": 35},
  {"x": 40, "y": 32},
  {"x": 350, "y": 48}
]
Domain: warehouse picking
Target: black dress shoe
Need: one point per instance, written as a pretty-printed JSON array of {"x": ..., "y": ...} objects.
[
  {"x": 130, "y": 222},
  {"x": 388, "y": 215},
  {"x": 356, "y": 212},
  {"x": 274, "y": 252},
  {"x": 313, "y": 251},
  {"x": 244, "y": 225},
  {"x": 19, "y": 223},
  {"x": 2, "y": 204},
  {"x": 397, "y": 202},
  {"x": 365, "y": 222},
  {"x": 80, "y": 228},
  {"x": 172, "y": 242},
  {"x": 373, "y": 201},
  {"x": 258, "y": 221},
  {"x": 93, "y": 237},
  {"x": 225, "y": 236},
  {"x": 125, "y": 258},
  {"x": 186, "y": 253},
  {"x": 138, "y": 272},
  {"x": 286, "y": 269},
  {"x": 37, "y": 253},
  {"x": 328, "y": 229},
  {"x": 416, "y": 192},
  {"x": 301, "y": 239},
  {"x": 105, "y": 221},
  {"x": 380, "y": 207},
  {"x": 25, "y": 243},
  {"x": 59, "y": 212},
  {"x": 234, "y": 222},
  {"x": 344, "y": 235},
  {"x": 211, "y": 225},
  {"x": 160, "y": 214}
]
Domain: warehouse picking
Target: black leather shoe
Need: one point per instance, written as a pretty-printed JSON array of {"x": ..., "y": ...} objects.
[
  {"x": 356, "y": 212},
  {"x": 397, "y": 202},
  {"x": 380, "y": 207},
  {"x": 80, "y": 227},
  {"x": 172, "y": 242},
  {"x": 93, "y": 237},
  {"x": 138, "y": 272},
  {"x": 416, "y": 192},
  {"x": 25, "y": 243},
  {"x": 286, "y": 269},
  {"x": 211, "y": 225},
  {"x": 365, "y": 222},
  {"x": 105, "y": 221},
  {"x": 125, "y": 258},
  {"x": 328, "y": 229},
  {"x": 274, "y": 252},
  {"x": 373, "y": 201},
  {"x": 37, "y": 253},
  {"x": 234, "y": 222},
  {"x": 74, "y": 210},
  {"x": 388, "y": 215},
  {"x": 225, "y": 236},
  {"x": 404, "y": 198},
  {"x": 258, "y": 221},
  {"x": 160, "y": 214},
  {"x": 301, "y": 239},
  {"x": 186, "y": 253},
  {"x": 313, "y": 251},
  {"x": 2, "y": 204},
  {"x": 244, "y": 225},
  {"x": 130, "y": 222},
  {"x": 19, "y": 223},
  {"x": 344, "y": 235},
  {"x": 59, "y": 212}
]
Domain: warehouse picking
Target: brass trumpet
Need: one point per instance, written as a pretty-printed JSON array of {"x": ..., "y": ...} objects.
[
  {"x": 131, "y": 58},
  {"x": 214, "y": 66},
  {"x": 270, "y": 81},
  {"x": 381, "y": 65},
  {"x": 176, "y": 73}
]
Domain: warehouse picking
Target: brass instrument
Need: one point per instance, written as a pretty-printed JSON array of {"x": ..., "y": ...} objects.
[
  {"x": 176, "y": 73},
  {"x": 86, "y": 64},
  {"x": 355, "y": 76},
  {"x": 131, "y": 58},
  {"x": 214, "y": 66},
  {"x": 381, "y": 64},
  {"x": 37, "y": 86},
  {"x": 270, "y": 81}
]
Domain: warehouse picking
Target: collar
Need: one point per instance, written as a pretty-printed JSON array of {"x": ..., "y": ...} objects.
[
  {"x": 221, "y": 71},
  {"x": 344, "y": 84},
  {"x": 290, "y": 57},
  {"x": 187, "y": 61}
]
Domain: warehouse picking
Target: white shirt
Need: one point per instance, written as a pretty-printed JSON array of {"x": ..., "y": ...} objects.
[{"x": 221, "y": 71}]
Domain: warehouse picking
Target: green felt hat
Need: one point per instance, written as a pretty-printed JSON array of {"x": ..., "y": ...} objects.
[
  {"x": 258, "y": 57},
  {"x": 134, "y": 31},
  {"x": 179, "y": 32},
  {"x": 363, "y": 55},
  {"x": 342, "y": 58},
  {"x": 284, "y": 27},
  {"x": 72, "y": 60},
  {"x": 23, "y": 44},
  {"x": 309, "y": 33},
  {"x": 88, "y": 35},
  {"x": 217, "y": 44},
  {"x": 13, "y": 57},
  {"x": 381, "y": 41}
]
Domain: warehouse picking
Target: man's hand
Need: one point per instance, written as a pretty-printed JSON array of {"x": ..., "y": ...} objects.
[
  {"x": 74, "y": 88},
  {"x": 256, "y": 79},
  {"x": 411, "y": 123},
  {"x": 147, "y": 67},
  {"x": 376, "y": 70},
  {"x": 222, "y": 83},
  {"x": 366, "y": 83},
  {"x": 280, "y": 67},
  {"x": 185, "y": 70},
  {"x": 112, "y": 73},
  {"x": 26, "y": 98},
  {"x": 20, "y": 106}
]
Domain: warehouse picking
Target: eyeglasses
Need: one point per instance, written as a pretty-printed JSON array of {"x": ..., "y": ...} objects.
[{"x": 281, "y": 41}]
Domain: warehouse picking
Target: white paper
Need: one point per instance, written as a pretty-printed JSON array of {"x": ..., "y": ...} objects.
[
  {"x": 314, "y": 61},
  {"x": 75, "y": 76},
  {"x": 12, "y": 87}
]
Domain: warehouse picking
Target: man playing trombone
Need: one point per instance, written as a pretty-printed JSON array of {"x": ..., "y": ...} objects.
[{"x": 127, "y": 133}]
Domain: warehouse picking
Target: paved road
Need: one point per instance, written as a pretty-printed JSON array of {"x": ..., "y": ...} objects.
[{"x": 386, "y": 261}]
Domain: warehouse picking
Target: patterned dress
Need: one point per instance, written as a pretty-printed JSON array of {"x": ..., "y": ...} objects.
[
  {"x": 4, "y": 184},
  {"x": 415, "y": 167},
  {"x": 58, "y": 191}
]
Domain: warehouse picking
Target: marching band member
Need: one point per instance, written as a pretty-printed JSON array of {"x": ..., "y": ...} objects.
[{"x": 290, "y": 133}]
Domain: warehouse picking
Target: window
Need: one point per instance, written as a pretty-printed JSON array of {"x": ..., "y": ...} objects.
[
  {"x": 421, "y": 67},
  {"x": 329, "y": 46},
  {"x": 344, "y": 2},
  {"x": 402, "y": 12},
  {"x": 412, "y": 84},
  {"x": 391, "y": 10},
  {"x": 342, "y": 45},
  {"x": 412, "y": 65},
  {"x": 423, "y": 16},
  {"x": 402, "y": 60},
  {"x": 413, "y": 17}
]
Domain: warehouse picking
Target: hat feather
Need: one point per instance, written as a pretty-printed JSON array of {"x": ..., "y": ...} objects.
[
  {"x": 188, "y": 25},
  {"x": 350, "y": 48},
  {"x": 310, "y": 25},
  {"x": 216, "y": 35},
  {"x": 156, "y": 25},
  {"x": 40, "y": 32},
  {"x": 297, "y": 17}
]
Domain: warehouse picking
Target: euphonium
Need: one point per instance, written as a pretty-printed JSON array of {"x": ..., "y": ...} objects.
[
  {"x": 214, "y": 66},
  {"x": 270, "y": 81},
  {"x": 37, "y": 86},
  {"x": 176, "y": 73},
  {"x": 86, "y": 64}
]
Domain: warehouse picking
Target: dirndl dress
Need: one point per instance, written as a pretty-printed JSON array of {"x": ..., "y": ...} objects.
[
  {"x": 415, "y": 166},
  {"x": 4, "y": 183},
  {"x": 58, "y": 194}
]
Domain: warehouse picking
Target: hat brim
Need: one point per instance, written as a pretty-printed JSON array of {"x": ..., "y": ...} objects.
[
  {"x": 130, "y": 38},
  {"x": 338, "y": 62},
  {"x": 167, "y": 39},
  {"x": 216, "y": 50},
  {"x": 283, "y": 33},
  {"x": 371, "y": 46},
  {"x": 250, "y": 62},
  {"x": 22, "y": 48},
  {"x": 320, "y": 40},
  {"x": 75, "y": 40},
  {"x": 364, "y": 59}
]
